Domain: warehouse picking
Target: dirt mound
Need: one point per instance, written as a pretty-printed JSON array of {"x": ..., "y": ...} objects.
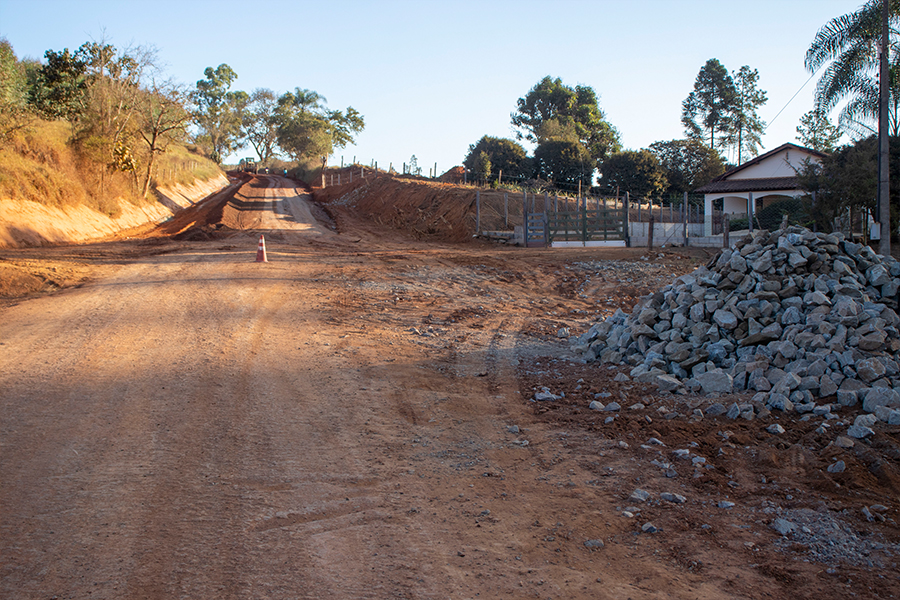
[{"x": 424, "y": 209}]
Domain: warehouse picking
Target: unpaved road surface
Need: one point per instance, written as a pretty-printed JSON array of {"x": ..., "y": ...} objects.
[{"x": 352, "y": 420}]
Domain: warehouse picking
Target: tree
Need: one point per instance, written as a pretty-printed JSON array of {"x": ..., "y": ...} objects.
[
  {"x": 551, "y": 103},
  {"x": 687, "y": 164},
  {"x": 13, "y": 91},
  {"x": 706, "y": 111},
  {"x": 112, "y": 100},
  {"x": 844, "y": 181},
  {"x": 215, "y": 113},
  {"x": 505, "y": 156},
  {"x": 259, "y": 124},
  {"x": 307, "y": 129},
  {"x": 817, "y": 132},
  {"x": 744, "y": 125},
  {"x": 849, "y": 46},
  {"x": 57, "y": 90},
  {"x": 164, "y": 118},
  {"x": 637, "y": 172},
  {"x": 565, "y": 163},
  {"x": 481, "y": 166}
]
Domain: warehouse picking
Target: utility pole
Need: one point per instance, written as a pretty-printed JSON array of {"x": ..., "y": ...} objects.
[{"x": 884, "y": 203}]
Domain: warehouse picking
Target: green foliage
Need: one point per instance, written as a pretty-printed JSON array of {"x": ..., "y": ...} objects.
[
  {"x": 771, "y": 216},
  {"x": 705, "y": 112},
  {"x": 58, "y": 89},
  {"x": 848, "y": 45},
  {"x": 817, "y": 132},
  {"x": 846, "y": 179},
  {"x": 306, "y": 129},
  {"x": 565, "y": 163},
  {"x": 576, "y": 110},
  {"x": 259, "y": 125},
  {"x": 637, "y": 172},
  {"x": 14, "y": 113},
  {"x": 505, "y": 156},
  {"x": 482, "y": 166},
  {"x": 217, "y": 111},
  {"x": 744, "y": 125},
  {"x": 687, "y": 164}
]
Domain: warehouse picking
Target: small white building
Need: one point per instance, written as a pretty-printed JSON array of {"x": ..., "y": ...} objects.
[{"x": 757, "y": 183}]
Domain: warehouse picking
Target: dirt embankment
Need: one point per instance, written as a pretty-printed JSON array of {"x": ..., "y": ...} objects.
[
  {"x": 427, "y": 210},
  {"x": 24, "y": 223}
]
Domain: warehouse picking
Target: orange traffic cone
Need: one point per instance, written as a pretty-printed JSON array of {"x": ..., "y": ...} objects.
[{"x": 261, "y": 251}]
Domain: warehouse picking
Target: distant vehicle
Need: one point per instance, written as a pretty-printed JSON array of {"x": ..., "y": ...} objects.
[{"x": 247, "y": 165}]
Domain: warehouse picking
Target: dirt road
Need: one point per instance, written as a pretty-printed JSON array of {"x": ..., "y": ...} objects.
[{"x": 349, "y": 420}]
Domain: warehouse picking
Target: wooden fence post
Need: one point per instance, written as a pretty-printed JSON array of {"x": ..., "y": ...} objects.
[
  {"x": 627, "y": 210},
  {"x": 684, "y": 217},
  {"x": 477, "y": 212},
  {"x": 650, "y": 233},
  {"x": 506, "y": 209},
  {"x": 726, "y": 229}
]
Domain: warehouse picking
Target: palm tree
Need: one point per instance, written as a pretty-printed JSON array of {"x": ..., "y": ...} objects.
[{"x": 849, "y": 44}]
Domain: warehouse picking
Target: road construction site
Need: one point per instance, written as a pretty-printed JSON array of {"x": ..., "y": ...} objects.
[{"x": 387, "y": 410}]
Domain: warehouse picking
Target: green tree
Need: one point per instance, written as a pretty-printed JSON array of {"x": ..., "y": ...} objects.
[
  {"x": 308, "y": 129},
  {"x": 706, "y": 111},
  {"x": 845, "y": 181},
  {"x": 14, "y": 113},
  {"x": 57, "y": 90},
  {"x": 817, "y": 132},
  {"x": 505, "y": 156},
  {"x": 565, "y": 163},
  {"x": 849, "y": 46},
  {"x": 550, "y": 101},
  {"x": 687, "y": 164},
  {"x": 259, "y": 124},
  {"x": 744, "y": 125},
  {"x": 215, "y": 113},
  {"x": 481, "y": 166},
  {"x": 637, "y": 172}
]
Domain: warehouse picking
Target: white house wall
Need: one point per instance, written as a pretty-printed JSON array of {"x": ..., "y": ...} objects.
[{"x": 783, "y": 164}]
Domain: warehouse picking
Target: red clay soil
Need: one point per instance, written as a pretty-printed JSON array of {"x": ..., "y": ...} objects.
[{"x": 353, "y": 419}]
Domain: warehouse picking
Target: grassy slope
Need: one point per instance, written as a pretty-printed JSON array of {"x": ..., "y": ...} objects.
[{"x": 40, "y": 166}]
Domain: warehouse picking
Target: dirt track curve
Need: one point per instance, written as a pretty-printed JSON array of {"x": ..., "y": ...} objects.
[{"x": 339, "y": 422}]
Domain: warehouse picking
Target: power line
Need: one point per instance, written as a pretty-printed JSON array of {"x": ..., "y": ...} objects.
[{"x": 791, "y": 100}]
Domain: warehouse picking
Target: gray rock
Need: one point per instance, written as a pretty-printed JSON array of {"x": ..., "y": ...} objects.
[
  {"x": 775, "y": 428},
  {"x": 725, "y": 504},
  {"x": 783, "y": 526},
  {"x": 670, "y": 497},
  {"x": 594, "y": 405},
  {"x": 716, "y": 382},
  {"x": 859, "y": 432},
  {"x": 668, "y": 383},
  {"x": 612, "y": 407},
  {"x": 639, "y": 495},
  {"x": 594, "y": 544},
  {"x": 870, "y": 369},
  {"x": 734, "y": 412},
  {"x": 837, "y": 467},
  {"x": 880, "y": 396},
  {"x": 649, "y": 528},
  {"x": 715, "y": 409}
]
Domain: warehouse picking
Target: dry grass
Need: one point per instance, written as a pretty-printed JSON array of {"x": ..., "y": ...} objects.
[{"x": 39, "y": 164}]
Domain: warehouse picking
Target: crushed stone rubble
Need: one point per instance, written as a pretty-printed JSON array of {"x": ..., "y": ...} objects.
[{"x": 792, "y": 315}]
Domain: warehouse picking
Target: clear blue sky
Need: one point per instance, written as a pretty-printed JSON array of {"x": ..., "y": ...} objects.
[{"x": 433, "y": 76}]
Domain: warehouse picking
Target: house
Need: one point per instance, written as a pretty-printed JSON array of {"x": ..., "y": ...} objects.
[{"x": 757, "y": 183}]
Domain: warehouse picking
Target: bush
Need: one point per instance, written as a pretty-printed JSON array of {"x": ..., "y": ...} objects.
[
  {"x": 771, "y": 216},
  {"x": 738, "y": 224}
]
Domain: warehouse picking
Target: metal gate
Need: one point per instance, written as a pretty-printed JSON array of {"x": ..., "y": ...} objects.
[{"x": 595, "y": 225}]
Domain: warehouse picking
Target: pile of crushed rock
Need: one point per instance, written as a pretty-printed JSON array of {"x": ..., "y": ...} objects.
[{"x": 793, "y": 315}]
